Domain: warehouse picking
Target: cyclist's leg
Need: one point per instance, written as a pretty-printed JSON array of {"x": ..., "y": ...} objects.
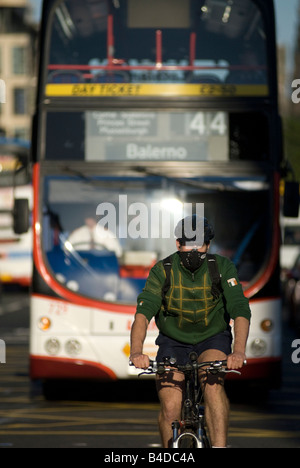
[
  {"x": 216, "y": 401},
  {"x": 170, "y": 387}
]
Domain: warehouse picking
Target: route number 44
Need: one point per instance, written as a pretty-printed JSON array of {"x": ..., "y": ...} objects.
[{"x": 208, "y": 123}]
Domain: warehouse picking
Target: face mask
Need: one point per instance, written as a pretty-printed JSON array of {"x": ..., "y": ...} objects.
[{"x": 192, "y": 260}]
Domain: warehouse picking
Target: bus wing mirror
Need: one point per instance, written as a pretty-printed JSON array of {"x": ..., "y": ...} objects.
[
  {"x": 21, "y": 214},
  {"x": 291, "y": 200}
]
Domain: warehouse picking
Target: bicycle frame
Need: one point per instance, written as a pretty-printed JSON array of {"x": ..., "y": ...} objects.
[{"x": 193, "y": 421}]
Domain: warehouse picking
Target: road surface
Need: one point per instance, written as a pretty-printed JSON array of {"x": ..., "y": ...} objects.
[{"x": 123, "y": 414}]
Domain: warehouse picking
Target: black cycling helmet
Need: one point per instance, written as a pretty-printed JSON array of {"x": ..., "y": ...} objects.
[{"x": 194, "y": 229}]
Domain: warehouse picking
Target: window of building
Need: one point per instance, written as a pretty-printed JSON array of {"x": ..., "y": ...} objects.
[
  {"x": 20, "y": 101},
  {"x": 19, "y": 60},
  {"x": 21, "y": 134}
]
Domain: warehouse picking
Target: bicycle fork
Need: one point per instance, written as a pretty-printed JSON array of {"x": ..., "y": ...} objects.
[
  {"x": 178, "y": 438},
  {"x": 197, "y": 434}
]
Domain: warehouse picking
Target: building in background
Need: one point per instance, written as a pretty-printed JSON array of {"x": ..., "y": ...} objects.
[{"x": 18, "y": 37}]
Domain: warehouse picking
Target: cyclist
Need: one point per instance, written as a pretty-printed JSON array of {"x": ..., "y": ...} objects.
[{"x": 194, "y": 315}]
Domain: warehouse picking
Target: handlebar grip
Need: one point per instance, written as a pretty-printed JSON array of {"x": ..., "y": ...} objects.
[{"x": 151, "y": 363}]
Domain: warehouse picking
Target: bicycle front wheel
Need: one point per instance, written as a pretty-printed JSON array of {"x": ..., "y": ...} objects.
[{"x": 188, "y": 440}]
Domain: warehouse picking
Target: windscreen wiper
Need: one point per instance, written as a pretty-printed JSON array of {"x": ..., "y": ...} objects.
[{"x": 77, "y": 173}]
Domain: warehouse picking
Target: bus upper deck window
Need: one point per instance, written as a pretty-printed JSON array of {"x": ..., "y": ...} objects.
[{"x": 158, "y": 41}]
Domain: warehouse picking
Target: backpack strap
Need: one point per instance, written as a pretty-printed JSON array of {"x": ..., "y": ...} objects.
[
  {"x": 167, "y": 263},
  {"x": 214, "y": 273}
]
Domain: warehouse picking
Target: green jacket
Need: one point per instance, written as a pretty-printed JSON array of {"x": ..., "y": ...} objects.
[{"x": 193, "y": 314}]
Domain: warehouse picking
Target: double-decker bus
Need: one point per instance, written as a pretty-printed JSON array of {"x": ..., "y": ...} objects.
[
  {"x": 15, "y": 182},
  {"x": 144, "y": 110}
]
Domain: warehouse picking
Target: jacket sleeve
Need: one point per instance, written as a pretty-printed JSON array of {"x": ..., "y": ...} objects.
[
  {"x": 150, "y": 300},
  {"x": 237, "y": 304}
]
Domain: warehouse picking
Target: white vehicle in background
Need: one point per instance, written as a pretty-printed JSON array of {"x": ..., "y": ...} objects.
[{"x": 15, "y": 250}]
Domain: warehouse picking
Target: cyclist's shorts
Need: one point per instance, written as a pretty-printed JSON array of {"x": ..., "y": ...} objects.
[{"x": 181, "y": 351}]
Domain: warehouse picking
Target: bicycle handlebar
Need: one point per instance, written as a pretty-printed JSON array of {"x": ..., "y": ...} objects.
[{"x": 212, "y": 367}]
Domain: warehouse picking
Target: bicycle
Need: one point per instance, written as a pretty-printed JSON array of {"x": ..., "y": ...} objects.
[{"x": 190, "y": 432}]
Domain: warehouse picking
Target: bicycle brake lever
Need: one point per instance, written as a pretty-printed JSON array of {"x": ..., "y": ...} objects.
[
  {"x": 231, "y": 371},
  {"x": 149, "y": 372},
  {"x": 222, "y": 370}
]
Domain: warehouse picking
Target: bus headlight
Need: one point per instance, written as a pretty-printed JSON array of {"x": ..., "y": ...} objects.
[
  {"x": 258, "y": 347},
  {"x": 73, "y": 347},
  {"x": 52, "y": 346},
  {"x": 267, "y": 325}
]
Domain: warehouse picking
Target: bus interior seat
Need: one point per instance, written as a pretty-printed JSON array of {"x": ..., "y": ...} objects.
[
  {"x": 92, "y": 272},
  {"x": 247, "y": 77},
  {"x": 66, "y": 77},
  {"x": 137, "y": 264},
  {"x": 130, "y": 288},
  {"x": 205, "y": 79},
  {"x": 99, "y": 272},
  {"x": 111, "y": 77}
]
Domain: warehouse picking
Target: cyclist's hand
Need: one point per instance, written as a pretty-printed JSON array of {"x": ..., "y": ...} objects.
[
  {"x": 236, "y": 361},
  {"x": 140, "y": 361}
]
